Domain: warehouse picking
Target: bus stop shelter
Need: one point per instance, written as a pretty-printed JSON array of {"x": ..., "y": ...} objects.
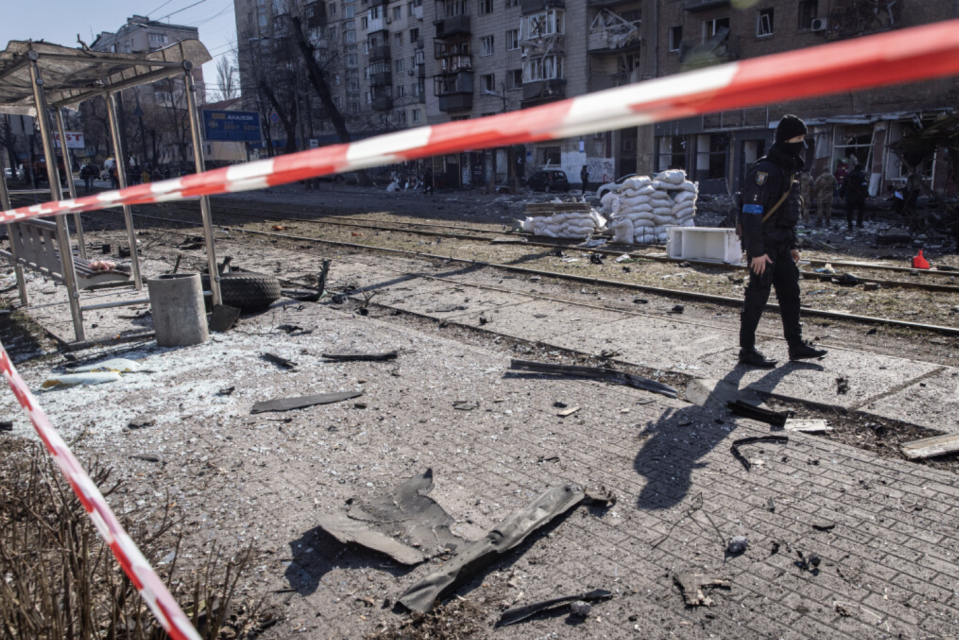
[{"x": 41, "y": 79}]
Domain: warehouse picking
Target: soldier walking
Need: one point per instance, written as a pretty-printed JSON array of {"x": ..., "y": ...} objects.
[{"x": 824, "y": 187}]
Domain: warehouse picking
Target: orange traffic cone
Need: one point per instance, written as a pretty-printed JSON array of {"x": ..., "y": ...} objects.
[{"x": 919, "y": 262}]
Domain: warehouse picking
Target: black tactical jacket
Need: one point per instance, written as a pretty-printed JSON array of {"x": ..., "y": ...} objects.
[{"x": 765, "y": 184}]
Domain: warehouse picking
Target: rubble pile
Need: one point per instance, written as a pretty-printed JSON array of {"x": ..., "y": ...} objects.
[
  {"x": 565, "y": 224},
  {"x": 641, "y": 209}
]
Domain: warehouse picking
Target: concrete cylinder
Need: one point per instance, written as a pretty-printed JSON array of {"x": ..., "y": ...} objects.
[{"x": 179, "y": 317}]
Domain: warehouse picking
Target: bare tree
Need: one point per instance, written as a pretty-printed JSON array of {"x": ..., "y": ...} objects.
[{"x": 226, "y": 75}]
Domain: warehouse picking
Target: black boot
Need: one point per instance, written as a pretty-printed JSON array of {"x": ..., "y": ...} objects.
[
  {"x": 752, "y": 358},
  {"x": 805, "y": 351}
]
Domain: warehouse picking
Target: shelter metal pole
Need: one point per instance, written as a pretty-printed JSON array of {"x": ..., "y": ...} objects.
[
  {"x": 63, "y": 232},
  {"x": 21, "y": 283},
  {"x": 190, "y": 89},
  {"x": 71, "y": 185},
  {"x": 122, "y": 179}
]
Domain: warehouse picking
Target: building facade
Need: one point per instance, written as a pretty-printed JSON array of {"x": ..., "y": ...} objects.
[{"x": 434, "y": 61}]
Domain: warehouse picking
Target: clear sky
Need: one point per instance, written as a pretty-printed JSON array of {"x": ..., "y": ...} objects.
[{"x": 59, "y": 21}]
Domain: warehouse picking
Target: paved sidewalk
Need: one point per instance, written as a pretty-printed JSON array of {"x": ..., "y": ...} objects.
[{"x": 889, "y": 565}]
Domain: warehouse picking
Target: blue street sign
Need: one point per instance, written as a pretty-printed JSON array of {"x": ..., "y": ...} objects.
[{"x": 231, "y": 126}]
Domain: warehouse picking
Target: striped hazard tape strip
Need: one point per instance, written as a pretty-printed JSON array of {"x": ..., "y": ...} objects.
[
  {"x": 908, "y": 55},
  {"x": 143, "y": 577}
]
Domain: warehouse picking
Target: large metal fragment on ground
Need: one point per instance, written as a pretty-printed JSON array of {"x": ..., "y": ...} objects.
[
  {"x": 423, "y": 524},
  {"x": 518, "y": 614},
  {"x": 477, "y": 555},
  {"x": 288, "y": 404}
]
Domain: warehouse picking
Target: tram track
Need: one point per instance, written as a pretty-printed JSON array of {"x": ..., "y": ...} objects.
[{"x": 661, "y": 291}]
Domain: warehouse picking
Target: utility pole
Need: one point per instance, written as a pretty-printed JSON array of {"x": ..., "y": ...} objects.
[{"x": 143, "y": 138}]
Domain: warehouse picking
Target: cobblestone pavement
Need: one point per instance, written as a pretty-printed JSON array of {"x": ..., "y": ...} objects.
[{"x": 888, "y": 565}]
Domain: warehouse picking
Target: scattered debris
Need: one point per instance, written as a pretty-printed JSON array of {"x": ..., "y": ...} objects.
[
  {"x": 609, "y": 375},
  {"x": 226, "y": 391},
  {"x": 406, "y": 512},
  {"x": 223, "y": 318},
  {"x": 930, "y": 447},
  {"x": 597, "y": 258},
  {"x": 737, "y": 545},
  {"x": 842, "y": 385},
  {"x": 449, "y": 308},
  {"x": 810, "y": 564},
  {"x": 743, "y": 441},
  {"x": 364, "y": 357},
  {"x": 278, "y": 360},
  {"x": 841, "y": 609},
  {"x": 121, "y": 365},
  {"x": 600, "y": 496},
  {"x": 692, "y": 585},
  {"x": 6, "y": 425},
  {"x": 623, "y": 258},
  {"x": 77, "y": 379},
  {"x": 807, "y": 426},
  {"x": 771, "y": 505},
  {"x": 288, "y": 404},
  {"x": 824, "y": 525},
  {"x": 677, "y": 309},
  {"x": 580, "y": 609},
  {"x": 746, "y": 410},
  {"x": 871, "y": 286},
  {"x": 463, "y": 405},
  {"x": 846, "y": 280},
  {"x": 518, "y": 614},
  {"x": 146, "y": 457},
  {"x": 506, "y": 535},
  {"x": 302, "y": 295},
  {"x": 142, "y": 422},
  {"x": 568, "y": 412}
]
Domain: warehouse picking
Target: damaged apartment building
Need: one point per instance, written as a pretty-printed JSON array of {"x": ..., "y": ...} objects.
[{"x": 398, "y": 65}]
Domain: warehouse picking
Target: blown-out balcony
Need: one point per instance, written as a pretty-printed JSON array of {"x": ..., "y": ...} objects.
[{"x": 453, "y": 26}]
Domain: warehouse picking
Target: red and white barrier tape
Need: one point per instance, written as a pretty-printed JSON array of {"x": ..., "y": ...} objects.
[
  {"x": 907, "y": 55},
  {"x": 143, "y": 577}
]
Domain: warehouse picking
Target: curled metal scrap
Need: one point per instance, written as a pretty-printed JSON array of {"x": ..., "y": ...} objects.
[
  {"x": 506, "y": 535},
  {"x": 739, "y": 456}
]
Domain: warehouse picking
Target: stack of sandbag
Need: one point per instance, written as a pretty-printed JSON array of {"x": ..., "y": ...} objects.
[
  {"x": 645, "y": 208},
  {"x": 571, "y": 224}
]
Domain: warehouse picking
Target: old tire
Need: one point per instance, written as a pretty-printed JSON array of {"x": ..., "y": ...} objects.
[{"x": 245, "y": 290}]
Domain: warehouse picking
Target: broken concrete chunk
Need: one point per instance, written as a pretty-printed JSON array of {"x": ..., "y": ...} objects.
[
  {"x": 476, "y": 555},
  {"x": 77, "y": 379},
  {"x": 692, "y": 585},
  {"x": 287, "y": 404},
  {"x": 807, "y": 426},
  {"x": 278, "y": 360},
  {"x": 931, "y": 447},
  {"x": 568, "y": 411},
  {"x": 601, "y": 497},
  {"x": 142, "y": 422},
  {"x": 580, "y": 609}
]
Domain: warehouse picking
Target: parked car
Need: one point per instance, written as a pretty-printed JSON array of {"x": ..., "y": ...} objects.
[
  {"x": 548, "y": 180},
  {"x": 8, "y": 173},
  {"x": 610, "y": 186}
]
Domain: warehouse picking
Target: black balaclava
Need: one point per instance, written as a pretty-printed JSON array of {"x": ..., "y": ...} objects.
[{"x": 789, "y": 127}]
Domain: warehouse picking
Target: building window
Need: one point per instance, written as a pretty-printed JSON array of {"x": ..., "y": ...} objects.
[
  {"x": 364, "y": 22},
  {"x": 332, "y": 8},
  {"x": 485, "y": 7},
  {"x": 417, "y": 116},
  {"x": 512, "y": 3},
  {"x": 336, "y": 79},
  {"x": 712, "y": 155},
  {"x": 764, "y": 23},
  {"x": 354, "y": 84},
  {"x": 512, "y": 39},
  {"x": 459, "y": 118},
  {"x": 486, "y": 46},
  {"x": 398, "y": 13},
  {"x": 808, "y": 11},
  {"x": 712, "y": 27},
  {"x": 262, "y": 20},
  {"x": 544, "y": 23},
  {"x": 675, "y": 38},
  {"x": 453, "y": 8},
  {"x": 401, "y": 117},
  {"x": 349, "y": 36},
  {"x": 488, "y": 83},
  {"x": 332, "y": 33},
  {"x": 514, "y": 79},
  {"x": 419, "y": 57},
  {"x": 414, "y": 35},
  {"x": 545, "y": 68},
  {"x": 352, "y": 60},
  {"x": 398, "y": 39},
  {"x": 158, "y": 39},
  {"x": 349, "y": 11},
  {"x": 400, "y": 65},
  {"x": 549, "y": 155}
]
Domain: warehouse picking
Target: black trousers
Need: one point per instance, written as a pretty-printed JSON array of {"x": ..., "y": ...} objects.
[
  {"x": 783, "y": 274},
  {"x": 853, "y": 207}
]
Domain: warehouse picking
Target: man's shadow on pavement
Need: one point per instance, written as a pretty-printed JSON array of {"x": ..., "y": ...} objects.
[{"x": 680, "y": 438}]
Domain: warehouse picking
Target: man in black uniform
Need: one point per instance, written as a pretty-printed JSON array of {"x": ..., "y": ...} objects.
[{"x": 771, "y": 209}]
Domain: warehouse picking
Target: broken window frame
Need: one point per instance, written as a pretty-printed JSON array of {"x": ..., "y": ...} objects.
[
  {"x": 487, "y": 46},
  {"x": 675, "y": 37},
  {"x": 765, "y": 23},
  {"x": 712, "y": 26},
  {"x": 514, "y": 79},
  {"x": 549, "y": 22},
  {"x": 543, "y": 68}
]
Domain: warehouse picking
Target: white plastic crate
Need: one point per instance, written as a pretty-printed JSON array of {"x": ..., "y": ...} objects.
[{"x": 710, "y": 244}]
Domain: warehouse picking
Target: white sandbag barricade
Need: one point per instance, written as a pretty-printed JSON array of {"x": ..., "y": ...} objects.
[
  {"x": 642, "y": 209},
  {"x": 568, "y": 220}
]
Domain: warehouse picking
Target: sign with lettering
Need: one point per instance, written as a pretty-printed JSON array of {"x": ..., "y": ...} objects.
[
  {"x": 74, "y": 139},
  {"x": 231, "y": 126}
]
